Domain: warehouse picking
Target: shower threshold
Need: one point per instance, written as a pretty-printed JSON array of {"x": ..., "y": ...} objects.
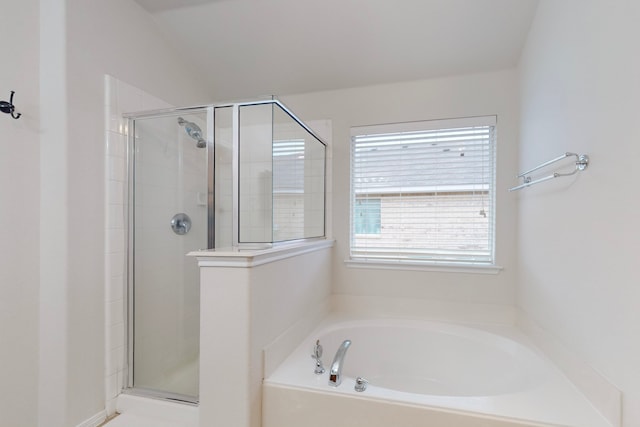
[
  {"x": 157, "y": 411},
  {"x": 161, "y": 395}
]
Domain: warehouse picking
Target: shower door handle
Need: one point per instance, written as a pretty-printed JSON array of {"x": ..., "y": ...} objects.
[{"x": 181, "y": 223}]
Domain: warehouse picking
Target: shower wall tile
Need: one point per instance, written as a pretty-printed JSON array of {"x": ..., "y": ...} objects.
[
  {"x": 117, "y": 359},
  {"x": 111, "y": 386},
  {"x": 115, "y": 207},
  {"x": 117, "y": 216},
  {"x": 115, "y": 192},
  {"x": 114, "y": 264},
  {"x": 112, "y": 122},
  {"x": 116, "y": 145},
  {"x": 116, "y": 312},
  {"x": 117, "y": 170},
  {"x": 115, "y": 288},
  {"x": 117, "y": 241},
  {"x": 117, "y": 335},
  {"x": 110, "y": 365},
  {"x": 114, "y": 363}
]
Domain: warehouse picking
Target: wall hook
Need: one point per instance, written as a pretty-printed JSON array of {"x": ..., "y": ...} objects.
[{"x": 9, "y": 108}]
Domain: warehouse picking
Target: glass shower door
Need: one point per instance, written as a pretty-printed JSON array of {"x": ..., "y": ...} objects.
[{"x": 169, "y": 219}]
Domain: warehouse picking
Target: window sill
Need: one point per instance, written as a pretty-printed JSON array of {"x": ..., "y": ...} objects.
[{"x": 442, "y": 267}]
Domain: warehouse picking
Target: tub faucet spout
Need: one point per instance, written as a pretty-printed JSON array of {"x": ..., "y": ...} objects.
[{"x": 335, "y": 374}]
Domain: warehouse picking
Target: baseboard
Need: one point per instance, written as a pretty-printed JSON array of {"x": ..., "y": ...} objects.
[
  {"x": 94, "y": 421},
  {"x": 603, "y": 395}
]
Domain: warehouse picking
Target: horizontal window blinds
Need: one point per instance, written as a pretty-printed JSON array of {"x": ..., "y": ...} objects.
[{"x": 424, "y": 195}]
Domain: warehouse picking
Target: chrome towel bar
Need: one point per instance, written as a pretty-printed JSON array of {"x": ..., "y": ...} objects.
[{"x": 582, "y": 161}]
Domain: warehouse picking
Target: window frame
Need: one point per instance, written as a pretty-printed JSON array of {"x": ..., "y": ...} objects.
[{"x": 459, "y": 265}]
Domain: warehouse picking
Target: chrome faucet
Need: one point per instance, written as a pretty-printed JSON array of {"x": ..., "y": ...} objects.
[{"x": 335, "y": 374}]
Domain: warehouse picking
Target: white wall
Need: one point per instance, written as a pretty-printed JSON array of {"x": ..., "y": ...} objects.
[
  {"x": 83, "y": 41},
  {"x": 19, "y": 212},
  {"x": 580, "y": 237},
  {"x": 473, "y": 95},
  {"x": 279, "y": 300}
]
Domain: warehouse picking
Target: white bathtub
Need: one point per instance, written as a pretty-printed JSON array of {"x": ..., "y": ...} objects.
[{"x": 423, "y": 373}]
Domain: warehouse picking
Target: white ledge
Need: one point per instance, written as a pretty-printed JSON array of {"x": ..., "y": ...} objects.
[
  {"x": 247, "y": 258},
  {"x": 425, "y": 266}
]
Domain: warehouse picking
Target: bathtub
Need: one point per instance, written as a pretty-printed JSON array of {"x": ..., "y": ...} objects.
[{"x": 423, "y": 373}]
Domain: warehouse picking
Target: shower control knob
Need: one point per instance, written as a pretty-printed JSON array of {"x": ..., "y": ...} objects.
[{"x": 181, "y": 223}]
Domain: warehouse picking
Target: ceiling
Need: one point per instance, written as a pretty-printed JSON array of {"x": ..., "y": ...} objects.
[{"x": 249, "y": 48}]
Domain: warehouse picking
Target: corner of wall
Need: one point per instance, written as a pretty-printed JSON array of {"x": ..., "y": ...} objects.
[
  {"x": 603, "y": 395},
  {"x": 278, "y": 350}
]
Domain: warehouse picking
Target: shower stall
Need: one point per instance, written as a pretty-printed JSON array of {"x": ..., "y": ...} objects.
[{"x": 242, "y": 176}]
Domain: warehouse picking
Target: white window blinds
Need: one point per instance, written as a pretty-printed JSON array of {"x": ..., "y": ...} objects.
[{"x": 424, "y": 191}]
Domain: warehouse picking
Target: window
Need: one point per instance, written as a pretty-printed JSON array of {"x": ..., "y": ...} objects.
[{"x": 424, "y": 192}]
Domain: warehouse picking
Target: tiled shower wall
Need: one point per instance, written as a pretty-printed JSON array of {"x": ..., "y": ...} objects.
[
  {"x": 256, "y": 172},
  {"x": 119, "y": 98}
]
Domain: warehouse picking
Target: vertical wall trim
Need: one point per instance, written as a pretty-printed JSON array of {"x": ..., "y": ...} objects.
[{"x": 53, "y": 322}]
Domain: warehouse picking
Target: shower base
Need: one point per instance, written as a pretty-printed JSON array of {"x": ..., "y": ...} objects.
[
  {"x": 179, "y": 384},
  {"x": 136, "y": 411}
]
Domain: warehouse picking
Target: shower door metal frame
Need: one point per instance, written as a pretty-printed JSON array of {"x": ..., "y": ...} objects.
[{"x": 129, "y": 386}]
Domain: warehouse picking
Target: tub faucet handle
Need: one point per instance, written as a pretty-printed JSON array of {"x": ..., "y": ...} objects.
[
  {"x": 317, "y": 354},
  {"x": 361, "y": 384},
  {"x": 317, "y": 350}
]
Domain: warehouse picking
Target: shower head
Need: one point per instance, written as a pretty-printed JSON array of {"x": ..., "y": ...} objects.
[{"x": 194, "y": 131}]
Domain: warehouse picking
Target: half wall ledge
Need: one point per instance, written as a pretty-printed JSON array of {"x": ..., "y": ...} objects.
[{"x": 247, "y": 258}]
